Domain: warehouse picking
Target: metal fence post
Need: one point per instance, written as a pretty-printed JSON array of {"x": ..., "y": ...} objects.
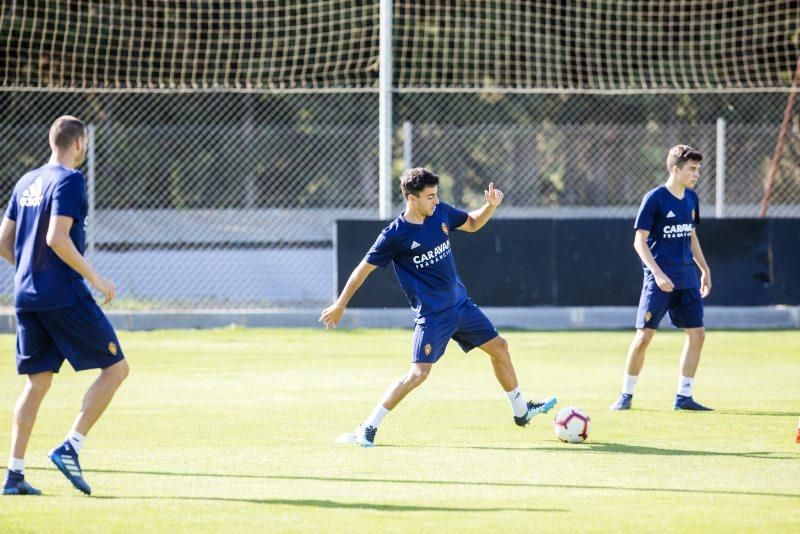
[
  {"x": 385, "y": 111},
  {"x": 90, "y": 222},
  {"x": 719, "y": 204}
]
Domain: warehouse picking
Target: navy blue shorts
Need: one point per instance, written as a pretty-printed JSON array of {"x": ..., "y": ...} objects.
[
  {"x": 685, "y": 307},
  {"x": 81, "y": 334},
  {"x": 466, "y": 324}
]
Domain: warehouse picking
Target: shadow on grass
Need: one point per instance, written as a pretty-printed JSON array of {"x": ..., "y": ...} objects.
[
  {"x": 758, "y": 412},
  {"x": 430, "y": 482},
  {"x": 618, "y": 448},
  {"x": 335, "y": 504}
]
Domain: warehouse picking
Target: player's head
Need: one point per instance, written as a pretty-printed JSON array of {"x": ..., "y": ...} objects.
[
  {"x": 683, "y": 162},
  {"x": 420, "y": 189},
  {"x": 69, "y": 136}
]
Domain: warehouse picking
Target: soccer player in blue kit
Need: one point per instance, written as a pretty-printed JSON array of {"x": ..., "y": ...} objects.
[
  {"x": 43, "y": 235},
  {"x": 418, "y": 245},
  {"x": 667, "y": 243}
]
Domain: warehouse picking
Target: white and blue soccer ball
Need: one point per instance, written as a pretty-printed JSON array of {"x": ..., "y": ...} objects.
[{"x": 572, "y": 425}]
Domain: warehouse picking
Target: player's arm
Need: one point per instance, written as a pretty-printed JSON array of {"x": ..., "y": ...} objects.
[
  {"x": 333, "y": 314},
  {"x": 700, "y": 260},
  {"x": 479, "y": 217},
  {"x": 59, "y": 240},
  {"x": 641, "y": 248},
  {"x": 8, "y": 231}
]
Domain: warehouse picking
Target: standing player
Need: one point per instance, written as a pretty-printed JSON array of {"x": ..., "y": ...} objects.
[
  {"x": 418, "y": 244},
  {"x": 43, "y": 236},
  {"x": 668, "y": 246}
]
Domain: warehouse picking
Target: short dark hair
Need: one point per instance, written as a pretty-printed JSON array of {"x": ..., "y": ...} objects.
[
  {"x": 65, "y": 130},
  {"x": 680, "y": 154},
  {"x": 413, "y": 181}
]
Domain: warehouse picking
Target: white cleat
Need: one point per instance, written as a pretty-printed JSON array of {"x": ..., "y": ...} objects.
[{"x": 363, "y": 436}]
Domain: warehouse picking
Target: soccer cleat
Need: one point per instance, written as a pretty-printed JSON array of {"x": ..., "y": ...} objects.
[
  {"x": 365, "y": 436},
  {"x": 687, "y": 403},
  {"x": 535, "y": 408},
  {"x": 623, "y": 402},
  {"x": 66, "y": 459},
  {"x": 360, "y": 436},
  {"x": 797, "y": 438},
  {"x": 16, "y": 485}
]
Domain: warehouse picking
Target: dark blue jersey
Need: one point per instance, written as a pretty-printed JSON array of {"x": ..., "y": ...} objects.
[
  {"x": 42, "y": 281},
  {"x": 671, "y": 221},
  {"x": 423, "y": 260}
]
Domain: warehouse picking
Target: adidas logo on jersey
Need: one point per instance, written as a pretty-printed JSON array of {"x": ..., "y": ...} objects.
[
  {"x": 670, "y": 214},
  {"x": 414, "y": 245},
  {"x": 32, "y": 196}
]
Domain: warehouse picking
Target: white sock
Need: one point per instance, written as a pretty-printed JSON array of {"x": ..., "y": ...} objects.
[
  {"x": 627, "y": 384},
  {"x": 16, "y": 464},
  {"x": 518, "y": 403},
  {"x": 376, "y": 417},
  {"x": 76, "y": 440},
  {"x": 685, "y": 386}
]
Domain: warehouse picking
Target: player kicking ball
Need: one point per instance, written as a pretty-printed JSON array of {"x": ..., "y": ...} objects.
[
  {"x": 668, "y": 246},
  {"x": 418, "y": 245},
  {"x": 43, "y": 236}
]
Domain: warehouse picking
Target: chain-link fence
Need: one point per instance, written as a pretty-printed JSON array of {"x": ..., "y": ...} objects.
[
  {"x": 228, "y": 200},
  {"x": 222, "y": 157}
]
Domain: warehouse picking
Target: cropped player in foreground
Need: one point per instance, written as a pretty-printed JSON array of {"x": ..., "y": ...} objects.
[
  {"x": 43, "y": 236},
  {"x": 668, "y": 246},
  {"x": 418, "y": 245}
]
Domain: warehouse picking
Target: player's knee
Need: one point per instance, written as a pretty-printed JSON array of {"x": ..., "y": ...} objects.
[
  {"x": 118, "y": 372},
  {"x": 697, "y": 335},
  {"x": 418, "y": 376},
  {"x": 38, "y": 384},
  {"x": 644, "y": 336},
  {"x": 500, "y": 352}
]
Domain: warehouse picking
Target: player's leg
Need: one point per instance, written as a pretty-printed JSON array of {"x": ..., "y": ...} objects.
[
  {"x": 428, "y": 345},
  {"x": 25, "y": 412},
  {"x": 88, "y": 341},
  {"x": 687, "y": 313},
  {"x": 364, "y": 434},
  {"x": 523, "y": 410},
  {"x": 476, "y": 330},
  {"x": 653, "y": 305},
  {"x": 37, "y": 358},
  {"x": 99, "y": 395}
]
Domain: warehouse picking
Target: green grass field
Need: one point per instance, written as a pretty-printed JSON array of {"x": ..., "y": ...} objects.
[{"x": 233, "y": 430}]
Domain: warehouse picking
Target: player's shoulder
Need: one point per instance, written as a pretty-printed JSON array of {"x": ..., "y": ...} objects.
[
  {"x": 656, "y": 193},
  {"x": 65, "y": 174},
  {"x": 394, "y": 228},
  {"x": 692, "y": 194}
]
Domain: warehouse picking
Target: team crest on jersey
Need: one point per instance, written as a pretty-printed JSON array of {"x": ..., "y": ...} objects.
[
  {"x": 428, "y": 349},
  {"x": 693, "y": 215},
  {"x": 112, "y": 348},
  {"x": 444, "y": 229},
  {"x": 647, "y": 316}
]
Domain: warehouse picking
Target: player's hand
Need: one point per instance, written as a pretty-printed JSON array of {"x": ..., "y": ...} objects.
[
  {"x": 493, "y": 196},
  {"x": 331, "y": 315},
  {"x": 705, "y": 284},
  {"x": 664, "y": 283},
  {"x": 106, "y": 287}
]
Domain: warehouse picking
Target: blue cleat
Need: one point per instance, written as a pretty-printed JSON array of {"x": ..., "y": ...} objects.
[
  {"x": 623, "y": 402},
  {"x": 535, "y": 408},
  {"x": 687, "y": 403},
  {"x": 66, "y": 459},
  {"x": 16, "y": 485}
]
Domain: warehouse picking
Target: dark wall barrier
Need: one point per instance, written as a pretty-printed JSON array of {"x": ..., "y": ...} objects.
[{"x": 587, "y": 262}]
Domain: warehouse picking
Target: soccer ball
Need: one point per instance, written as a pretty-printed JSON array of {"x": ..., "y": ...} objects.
[{"x": 572, "y": 425}]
